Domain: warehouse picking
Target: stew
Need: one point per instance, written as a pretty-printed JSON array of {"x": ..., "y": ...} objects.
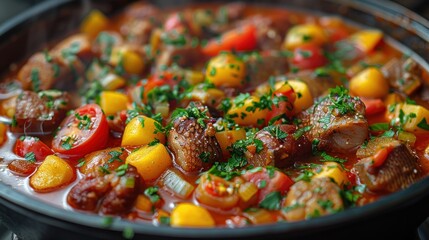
[{"x": 215, "y": 116}]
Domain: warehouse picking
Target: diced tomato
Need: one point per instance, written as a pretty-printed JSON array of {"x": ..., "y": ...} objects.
[
  {"x": 308, "y": 56},
  {"x": 84, "y": 131},
  {"x": 373, "y": 106},
  {"x": 242, "y": 39},
  {"x": 274, "y": 181},
  {"x": 27, "y": 145}
]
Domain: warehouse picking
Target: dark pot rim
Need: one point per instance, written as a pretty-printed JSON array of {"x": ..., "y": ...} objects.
[{"x": 57, "y": 216}]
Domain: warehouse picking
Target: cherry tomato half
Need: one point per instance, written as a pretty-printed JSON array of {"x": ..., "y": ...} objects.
[
  {"x": 84, "y": 131},
  {"x": 308, "y": 56},
  {"x": 242, "y": 39},
  {"x": 32, "y": 147},
  {"x": 216, "y": 192}
]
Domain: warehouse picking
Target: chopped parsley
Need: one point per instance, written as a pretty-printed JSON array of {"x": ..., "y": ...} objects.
[
  {"x": 152, "y": 194},
  {"x": 276, "y": 132},
  {"x": 205, "y": 157},
  {"x": 30, "y": 156},
  {"x": 67, "y": 143},
  {"x": 328, "y": 158},
  {"x": 84, "y": 121},
  {"x": 300, "y": 132},
  {"x": 80, "y": 163},
  {"x": 121, "y": 170},
  {"x": 379, "y": 127},
  {"x": 154, "y": 142},
  {"x": 423, "y": 124},
  {"x": 35, "y": 79},
  {"x": 115, "y": 156},
  {"x": 271, "y": 201}
]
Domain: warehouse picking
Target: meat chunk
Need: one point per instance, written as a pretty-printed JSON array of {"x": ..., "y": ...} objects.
[
  {"x": 312, "y": 199},
  {"x": 42, "y": 72},
  {"x": 260, "y": 66},
  {"x": 111, "y": 158},
  {"x": 40, "y": 113},
  {"x": 137, "y": 31},
  {"x": 194, "y": 145},
  {"x": 184, "y": 56},
  {"x": 403, "y": 74},
  {"x": 142, "y": 10},
  {"x": 280, "y": 147},
  {"x": 398, "y": 170},
  {"x": 77, "y": 45},
  {"x": 113, "y": 193},
  {"x": 337, "y": 122}
]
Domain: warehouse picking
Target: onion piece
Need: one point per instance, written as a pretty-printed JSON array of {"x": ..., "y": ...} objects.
[
  {"x": 176, "y": 184},
  {"x": 247, "y": 190},
  {"x": 407, "y": 137}
]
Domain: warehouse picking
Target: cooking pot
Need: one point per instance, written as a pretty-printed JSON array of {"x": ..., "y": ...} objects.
[{"x": 394, "y": 216}]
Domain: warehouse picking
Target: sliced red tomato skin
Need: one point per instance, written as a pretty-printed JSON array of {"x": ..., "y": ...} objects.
[
  {"x": 243, "y": 39},
  {"x": 76, "y": 140},
  {"x": 308, "y": 56},
  {"x": 26, "y": 145}
]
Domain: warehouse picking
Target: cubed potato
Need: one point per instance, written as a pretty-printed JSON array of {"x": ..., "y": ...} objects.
[
  {"x": 190, "y": 215},
  {"x": 150, "y": 161},
  {"x": 52, "y": 174},
  {"x": 333, "y": 171},
  {"x": 141, "y": 131}
]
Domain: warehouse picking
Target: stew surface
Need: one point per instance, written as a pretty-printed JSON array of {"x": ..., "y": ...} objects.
[{"x": 215, "y": 116}]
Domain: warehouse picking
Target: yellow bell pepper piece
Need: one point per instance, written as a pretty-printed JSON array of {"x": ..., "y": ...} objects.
[
  {"x": 370, "y": 83},
  {"x": 112, "y": 102},
  {"x": 333, "y": 171},
  {"x": 228, "y": 137},
  {"x": 150, "y": 161},
  {"x": 141, "y": 131},
  {"x": 304, "y": 98},
  {"x": 415, "y": 118},
  {"x": 303, "y": 34},
  {"x": 366, "y": 40},
  {"x": 190, "y": 215},
  {"x": 94, "y": 23},
  {"x": 3, "y": 130},
  {"x": 226, "y": 70},
  {"x": 128, "y": 59},
  {"x": 52, "y": 174},
  {"x": 242, "y": 116}
]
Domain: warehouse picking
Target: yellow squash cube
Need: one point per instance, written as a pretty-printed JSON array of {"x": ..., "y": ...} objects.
[
  {"x": 150, "y": 161},
  {"x": 141, "y": 131},
  {"x": 303, "y": 34},
  {"x": 333, "y": 171},
  {"x": 228, "y": 137},
  {"x": 190, "y": 215},
  {"x": 52, "y": 174},
  {"x": 94, "y": 23},
  {"x": 112, "y": 102},
  {"x": 242, "y": 116}
]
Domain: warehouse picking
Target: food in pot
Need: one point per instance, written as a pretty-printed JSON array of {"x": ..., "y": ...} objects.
[{"x": 215, "y": 116}]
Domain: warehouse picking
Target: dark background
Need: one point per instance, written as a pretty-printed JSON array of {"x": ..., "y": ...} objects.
[{"x": 9, "y": 8}]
